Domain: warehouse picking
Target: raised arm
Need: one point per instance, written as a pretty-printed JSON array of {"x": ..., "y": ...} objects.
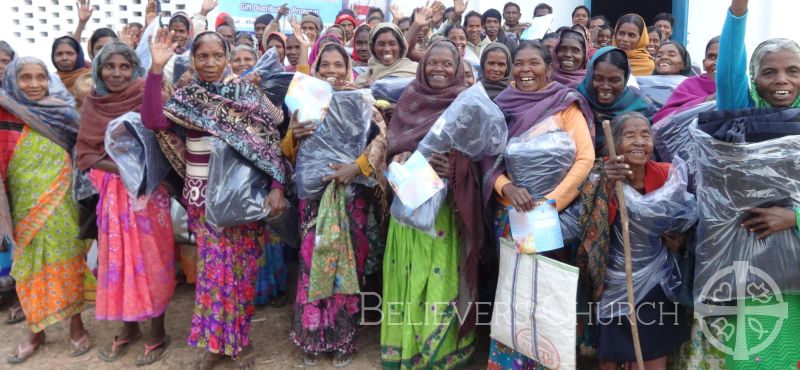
[
  {"x": 161, "y": 50},
  {"x": 84, "y": 13},
  {"x": 733, "y": 90},
  {"x": 422, "y": 18}
]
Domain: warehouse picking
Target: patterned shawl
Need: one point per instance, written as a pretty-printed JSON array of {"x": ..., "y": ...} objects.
[
  {"x": 493, "y": 88},
  {"x": 402, "y": 67},
  {"x": 51, "y": 117},
  {"x": 567, "y": 78},
  {"x": 641, "y": 61},
  {"x": 239, "y": 114}
]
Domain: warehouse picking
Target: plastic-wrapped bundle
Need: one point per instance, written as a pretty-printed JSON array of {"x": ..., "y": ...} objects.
[
  {"x": 268, "y": 64},
  {"x": 732, "y": 178},
  {"x": 669, "y": 208},
  {"x": 472, "y": 124},
  {"x": 340, "y": 138},
  {"x": 671, "y": 135},
  {"x": 236, "y": 188},
  {"x": 276, "y": 85},
  {"x": 539, "y": 160},
  {"x": 752, "y": 125},
  {"x": 540, "y": 163},
  {"x": 390, "y": 89},
  {"x": 135, "y": 150},
  {"x": 422, "y": 218},
  {"x": 659, "y": 87}
]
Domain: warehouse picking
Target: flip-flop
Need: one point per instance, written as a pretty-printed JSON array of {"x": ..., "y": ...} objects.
[
  {"x": 23, "y": 353},
  {"x": 15, "y": 315},
  {"x": 81, "y": 346},
  {"x": 145, "y": 359},
  {"x": 112, "y": 354}
]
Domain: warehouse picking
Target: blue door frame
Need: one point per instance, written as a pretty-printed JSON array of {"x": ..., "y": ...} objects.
[{"x": 680, "y": 10}]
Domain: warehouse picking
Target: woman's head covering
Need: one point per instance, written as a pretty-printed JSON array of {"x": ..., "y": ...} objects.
[
  {"x": 309, "y": 18},
  {"x": 80, "y": 62},
  {"x": 345, "y": 17},
  {"x": 187, "y": 21},
  {"x": 420, "y": 105},
  {"x": 687, "y": 59},
  {"x": 402, "y": 67},
  {"x": 277, "y": 35},
  {"x": 314, "y": 54},
  {"x": 570, "y": 79},
  {"x": 348, "y": 81},
  {"x": 642, "y": 63},
  {"x": 362, "y": 28},
  {"x": 107, "y": 52},
  {"x": 101, "y": 106},
  {"x": 628, "y": 100},
  {"x": 493, "y": 88},
  {"x": 51, "y": 117},
  {"x": 491, "y": 13},
  {"x": 766, "y": 47}
]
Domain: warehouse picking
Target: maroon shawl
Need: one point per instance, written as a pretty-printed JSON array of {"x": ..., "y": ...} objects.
[
  {"x": 524, "y": 110},
  {"x": 97, "y": 112},
  {"x": 691, "y": 92},
  {"x": 417, "y": 110},
  {"x": 570, "y": 79}
]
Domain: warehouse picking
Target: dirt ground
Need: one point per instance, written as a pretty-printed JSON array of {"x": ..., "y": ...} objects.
[{"x": 270, "y": 333}]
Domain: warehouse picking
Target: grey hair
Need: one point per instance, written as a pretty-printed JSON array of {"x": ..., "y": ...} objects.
[
  {"x": 618, "y": 125},
  {"x": 768, "y": 47},
  {"x": 245, "y": 48},
  {"x": 23, "y": 61}
]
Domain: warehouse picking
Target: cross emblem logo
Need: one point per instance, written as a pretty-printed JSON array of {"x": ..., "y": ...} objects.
[{"x": 764, "y": 319}]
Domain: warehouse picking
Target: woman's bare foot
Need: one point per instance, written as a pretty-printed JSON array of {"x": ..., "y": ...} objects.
[
  {"x": 246, "y": 359},
  {"x": 207, "y": 361}
]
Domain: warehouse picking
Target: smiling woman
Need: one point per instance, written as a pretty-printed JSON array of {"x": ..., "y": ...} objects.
[
  {"x": 496, "y": 68},
  {"x": 673, "y": 59},
  {"x": 605, "y": 87},
  {"x": 571, "y": 58},
  {"x": 388, "y": 49},
  {"x": 631, "y": 36}
]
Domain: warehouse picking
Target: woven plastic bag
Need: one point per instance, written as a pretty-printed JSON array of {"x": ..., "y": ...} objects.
[{"x": 534, "y": 307}]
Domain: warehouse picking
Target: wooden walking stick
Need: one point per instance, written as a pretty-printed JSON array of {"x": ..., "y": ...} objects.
[{"x": 626, "y": 243}]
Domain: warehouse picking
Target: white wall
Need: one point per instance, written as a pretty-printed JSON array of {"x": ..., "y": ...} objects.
[{"x": 766, "y": 19}]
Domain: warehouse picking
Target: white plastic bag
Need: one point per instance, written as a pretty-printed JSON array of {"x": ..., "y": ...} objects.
[{"x": 135, "y": 150}]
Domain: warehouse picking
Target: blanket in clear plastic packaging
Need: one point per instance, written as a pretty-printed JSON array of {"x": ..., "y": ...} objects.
[
  {"x": 734, "y": 177},
  {"x": 538, "y": 160},
  {"x": 390, "y": 89},
  {"x": 659, "y": 87},
  {"x": 672, "y": 137},
  {"x": 236, "y": 188},
  {"x": 340, "y": 138},
  {"x": 135, "y": 150},
  {"x": 669, "y": 208},
  {"x": 472, "y": 125}
]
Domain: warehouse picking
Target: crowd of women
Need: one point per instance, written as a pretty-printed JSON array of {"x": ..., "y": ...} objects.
[{"x": 190, "y": 84}]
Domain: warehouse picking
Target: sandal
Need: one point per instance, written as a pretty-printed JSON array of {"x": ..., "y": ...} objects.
[
  {"x": 208, "y": 361},
  {"x": 341, "y": 360},
  {"x": 80, "y": 346},
  {"x": 118, "y": 348},
  {"x": 24, "y": 353},
  {"x": 310, "y": 359},
  {"x": 153, "y": 353},
  {"x": 15, "y": 315}
]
